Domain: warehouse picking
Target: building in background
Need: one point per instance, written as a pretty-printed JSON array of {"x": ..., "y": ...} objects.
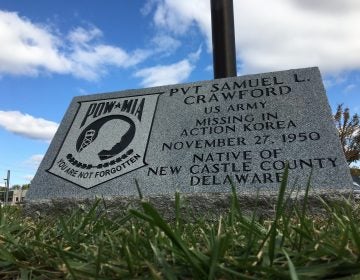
[{"x": 16, "y": 196}]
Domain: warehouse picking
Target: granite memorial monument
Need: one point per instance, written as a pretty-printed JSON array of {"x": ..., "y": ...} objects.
[{"x": 196, "y": 138}]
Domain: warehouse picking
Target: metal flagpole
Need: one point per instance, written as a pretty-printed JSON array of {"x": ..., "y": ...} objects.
[
  {"x": 223, "y": 38},
  {"x": 7, "y": 187}
]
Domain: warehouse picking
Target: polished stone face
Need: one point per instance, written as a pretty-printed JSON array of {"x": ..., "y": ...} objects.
[{"x": 198, "y": 137}]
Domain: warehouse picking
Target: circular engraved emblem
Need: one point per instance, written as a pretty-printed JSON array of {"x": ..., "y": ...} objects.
[{"x": 92, "y": 131}]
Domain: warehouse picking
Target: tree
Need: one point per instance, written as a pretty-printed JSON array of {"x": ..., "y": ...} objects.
[
  {"x": 16, "y": 187},
  {"x": 25, "y": 187},
  {"x": 349, "y": 133},
  {"x": 355, "y": 171}
]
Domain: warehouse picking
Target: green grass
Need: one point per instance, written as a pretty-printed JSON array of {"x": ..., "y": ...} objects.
[{"x": 141, "y": 244}]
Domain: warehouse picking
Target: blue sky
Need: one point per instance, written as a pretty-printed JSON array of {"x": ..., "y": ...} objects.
[{"x": 51, "y": 51}]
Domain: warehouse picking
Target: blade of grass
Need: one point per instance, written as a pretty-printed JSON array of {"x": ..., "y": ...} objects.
[
  {"x": 303, "y": 210},
  {"x": 64, "y": 228},
  {"x": 288, "y": 205},
  {"x": 236, "y": 273},
  {"x": 177, "y": 211},
  {"x": 252, "y": 229},
  {"x": 129, "y": 260},
  {"x": 89, "y": 217},
  {"x": 138, "y": 189},
  {"x": 292, "y": 269},
  {"x": 235, "y": 206},
  {"x": 154, "y": 218},
  {"x": 6, "y": 256},
  {"x": 60, "y": 254},
  {"x": 99, "y": 256},
  {"x": 354, "y": 231},
  {"x": 278, "y": 214},
  {"x": 215, "y": 252},
  {"x": 155, "y": 274},
  {"x": 167, "y": 270}
]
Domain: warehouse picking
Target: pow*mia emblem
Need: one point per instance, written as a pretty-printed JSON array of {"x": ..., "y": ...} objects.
[{"x": 107, "y": 139}]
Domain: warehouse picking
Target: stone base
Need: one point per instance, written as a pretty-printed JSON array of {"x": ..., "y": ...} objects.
[{"x": 193, "y": 206}]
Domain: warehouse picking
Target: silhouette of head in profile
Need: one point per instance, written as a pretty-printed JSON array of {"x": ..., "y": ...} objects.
[{"x": 107, "y": 131}]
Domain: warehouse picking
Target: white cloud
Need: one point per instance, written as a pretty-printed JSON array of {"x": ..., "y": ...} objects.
[
  {"x": 31, "y": 164},
  {"x": 34, "y": 161},
  {"x": 334, "y": 80},
  {"x": 27, "y": 48},
  {"x": 27, "y": 125},
  {"x": 165, "y": 74},
  {"x": 28, "y": 177},
  {"x": 209, "y": 68},
  {"x": 148, "y": 6},
  {"x": 349, "y": 88},
  {"x": 168, "y": 74},
  {"x": 178, "y": 16},
  {"x": 193, "y": 57},
  {"x": 82, "y": 36},
  {"x": 165, "y": 43},
  {"x": 91, "y": 62},
  {"x": 91, "y": 59},
  {"x": 278, "y": 34}
]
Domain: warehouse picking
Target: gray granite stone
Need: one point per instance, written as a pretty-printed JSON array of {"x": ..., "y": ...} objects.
[
  {"x": 193, "y": 206},
  {"x": 194, "y": 138}
]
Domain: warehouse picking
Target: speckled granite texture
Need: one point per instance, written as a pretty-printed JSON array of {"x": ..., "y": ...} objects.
[
  {"x": 208, "y": 206},
  {"x": 193, "y": 138}
]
